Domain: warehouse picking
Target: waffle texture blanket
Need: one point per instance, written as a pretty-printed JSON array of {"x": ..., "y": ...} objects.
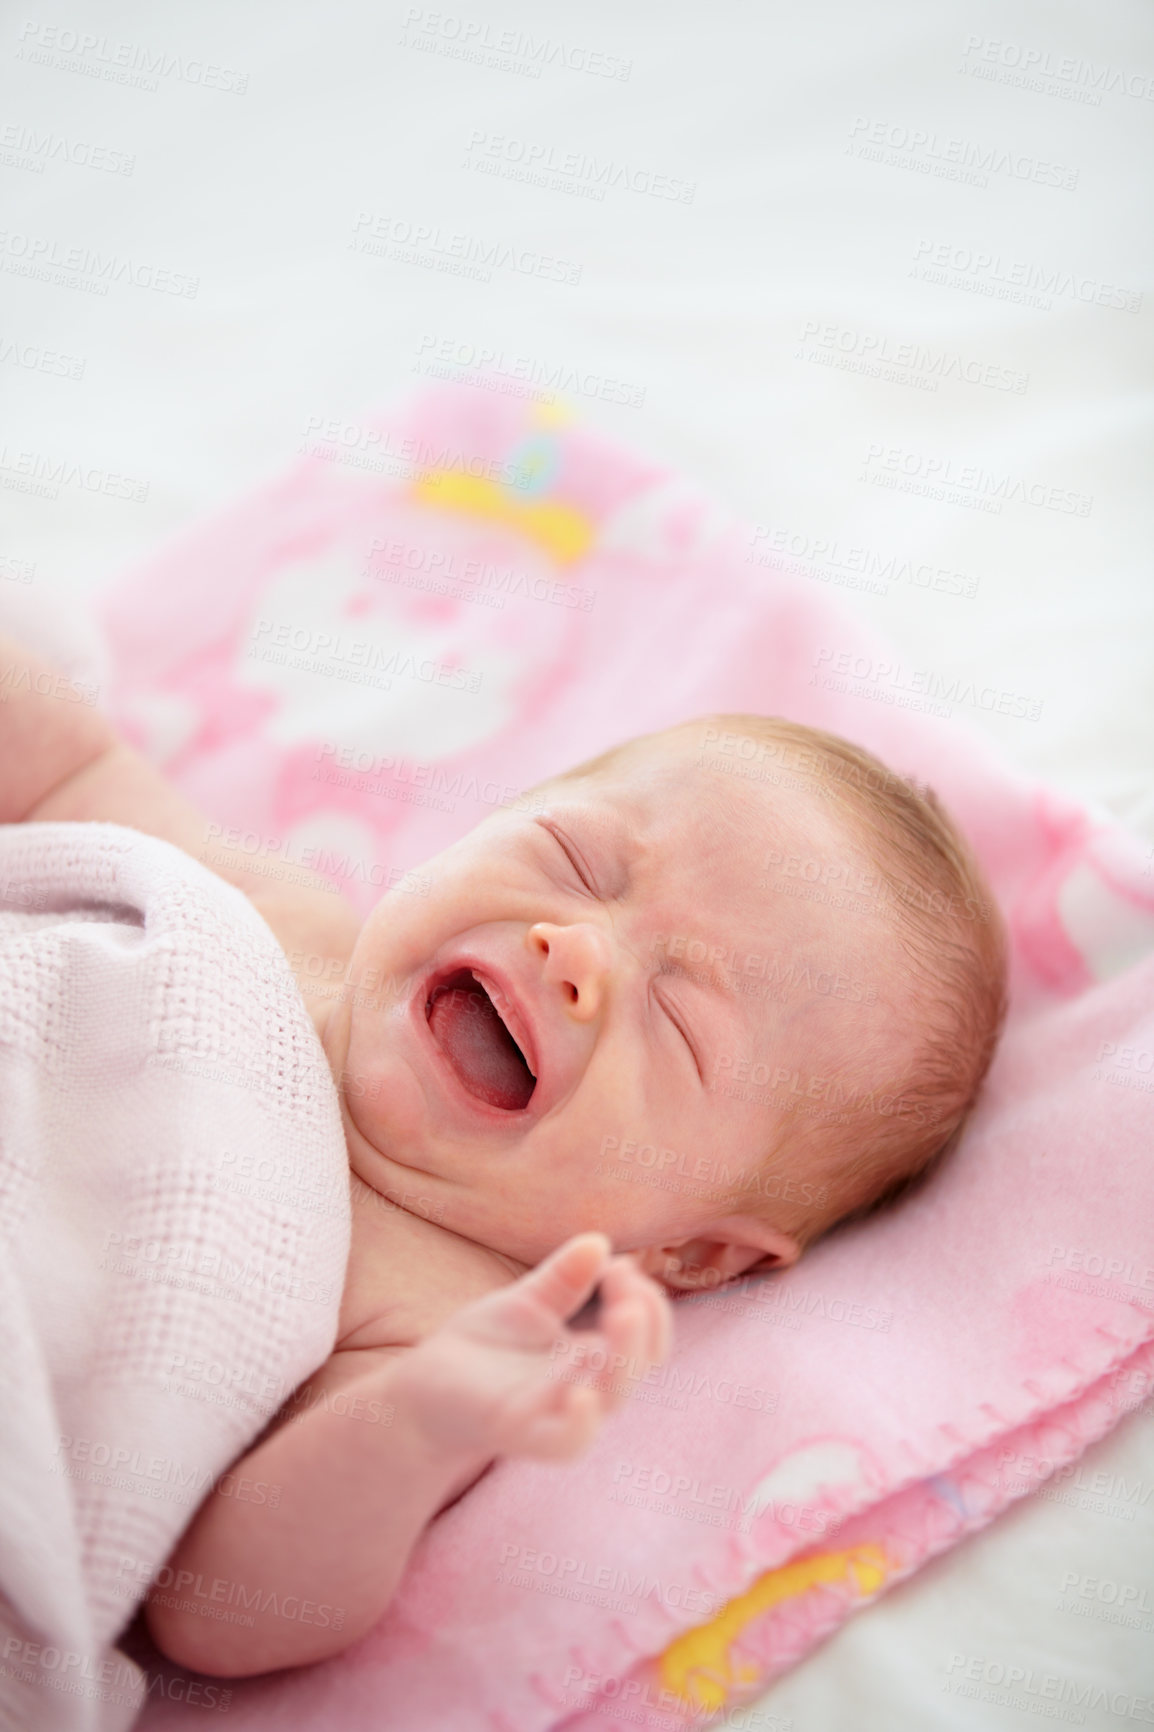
[
  {"x": 431, "y": 611},
  {"x": 175, "y": 1220}
]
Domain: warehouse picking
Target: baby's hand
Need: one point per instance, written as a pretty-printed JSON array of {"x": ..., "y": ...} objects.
[{"x": 485, "y": 1383}]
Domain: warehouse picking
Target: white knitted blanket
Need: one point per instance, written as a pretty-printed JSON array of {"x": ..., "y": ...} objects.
[{"x": 175, "y": 1220}]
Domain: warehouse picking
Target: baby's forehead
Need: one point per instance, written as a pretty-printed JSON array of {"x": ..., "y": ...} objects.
[
  {"x": 730, "y": 850},
  {"x": 679, "y": 802}
]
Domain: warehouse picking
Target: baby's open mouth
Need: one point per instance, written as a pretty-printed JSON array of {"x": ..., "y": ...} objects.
[{"x": 467, "y": 1026}]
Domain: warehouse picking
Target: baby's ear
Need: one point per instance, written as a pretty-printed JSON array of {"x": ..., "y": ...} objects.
[
  {"x": 727, "y": 1249},
  {"x": 690, "y": 1266},
  {"x": 771, "y": 1260}
]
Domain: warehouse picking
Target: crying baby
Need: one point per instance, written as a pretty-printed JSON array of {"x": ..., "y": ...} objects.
[
  {"x": 792, "y": 981},
  {"x": 669, "y": 1021}
]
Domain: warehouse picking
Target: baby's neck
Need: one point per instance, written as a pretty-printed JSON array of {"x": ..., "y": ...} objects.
[
  {"x": 407, "y": 1274},
  {"x": 407, "y": 1270},
  {"x": 400, "y": 1213}
]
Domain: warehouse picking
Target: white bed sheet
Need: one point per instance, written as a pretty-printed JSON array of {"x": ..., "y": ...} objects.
[{"x": 844, "y": 256}]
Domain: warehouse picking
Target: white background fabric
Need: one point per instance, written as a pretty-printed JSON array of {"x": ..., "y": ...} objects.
[{"x": 745, "y": 321}]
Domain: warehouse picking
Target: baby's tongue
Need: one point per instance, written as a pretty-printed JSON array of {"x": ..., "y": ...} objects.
[{"x": 479, "y": 1047}]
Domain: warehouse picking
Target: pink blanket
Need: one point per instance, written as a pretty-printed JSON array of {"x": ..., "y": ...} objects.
[{"x": 349, "y": 670}]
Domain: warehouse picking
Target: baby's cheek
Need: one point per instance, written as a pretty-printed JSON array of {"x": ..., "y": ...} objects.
[{"x": 382, "y": 1098}]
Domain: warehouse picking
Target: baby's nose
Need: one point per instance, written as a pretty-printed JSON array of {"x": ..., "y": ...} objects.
[{"x": 577, "y": 960}]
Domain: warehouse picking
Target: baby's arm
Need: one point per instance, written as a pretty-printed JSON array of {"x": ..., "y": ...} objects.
[
  {"x": 60, "y": 758},
  {"x": 356, "y": 1492},
  {"x": 49, "y": 733}
]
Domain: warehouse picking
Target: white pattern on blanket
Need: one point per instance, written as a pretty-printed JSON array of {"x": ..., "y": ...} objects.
[{"x": 174, "y": 1201}]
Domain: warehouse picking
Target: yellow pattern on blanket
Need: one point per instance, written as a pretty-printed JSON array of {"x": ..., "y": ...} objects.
[
  {"x": 560, "y": 529},
  {"x": 698, "y": 1665}
]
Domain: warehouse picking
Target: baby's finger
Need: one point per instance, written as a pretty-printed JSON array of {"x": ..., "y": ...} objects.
[
  {"x": 659, "y": 1312},
  {"x": 662, "y": 1325},
  {"x": 532, "y": 1311},
  {"x": 567, "y": 1277},
  {"x": 622, "y": 1359},
  {"x": 521, "y": 1410},
  {"x": 623, "y": 1281},
  {"x": 568, "y": 1429}
]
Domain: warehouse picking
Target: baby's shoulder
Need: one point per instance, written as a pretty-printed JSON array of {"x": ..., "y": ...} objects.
[{"x": 406, "y": 1273}]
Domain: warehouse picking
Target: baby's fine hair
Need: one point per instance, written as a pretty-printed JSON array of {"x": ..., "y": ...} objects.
[{"x": 954, "y": 942}]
